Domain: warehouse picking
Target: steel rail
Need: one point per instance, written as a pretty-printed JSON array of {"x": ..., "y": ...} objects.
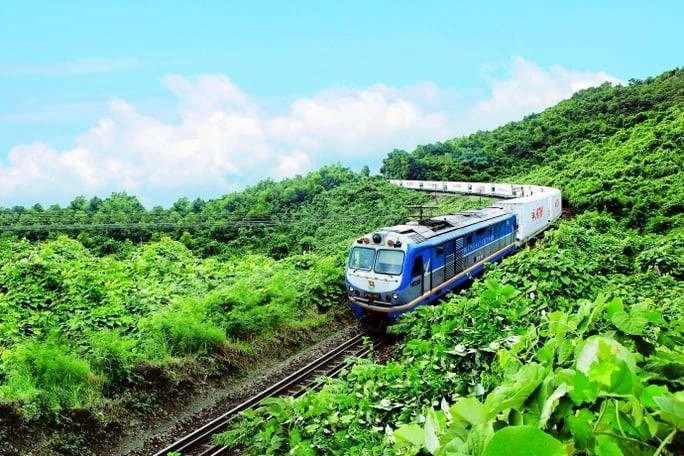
[{"x": 329, "y": 365}]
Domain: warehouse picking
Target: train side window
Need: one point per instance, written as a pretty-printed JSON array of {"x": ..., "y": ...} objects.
[
  {"x": 440, "y": 250},
  {"x": 469, "y": 239},
  {"x": 480, "y": 231}
]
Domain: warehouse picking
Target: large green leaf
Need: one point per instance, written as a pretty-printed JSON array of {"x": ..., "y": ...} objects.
[
  {"x": 580, "y": 425},
  {"x": 523, "y": 441},
  {"x": 432, "y": 431},
  {"x": 551, "y": 403},
  {"x": 635, "y": 321},
  {"x": 409, "y": 435},
  {"x": 469, "y": 409},
  {"x": 600, "y": 349},
  {"x": 672, "y": 408},
  {"x": 608, "y": 364},
  {"x": 607, "y": 446},
  {"x": 515, "y": 391}
]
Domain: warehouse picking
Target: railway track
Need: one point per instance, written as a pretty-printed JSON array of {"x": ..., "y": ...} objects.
[{"x": 198, "y": 443}]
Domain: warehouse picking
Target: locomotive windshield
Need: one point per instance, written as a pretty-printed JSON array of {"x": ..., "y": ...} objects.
[
  {"x": 389, "y": 262},
  {"x": 362, "y": 258}
]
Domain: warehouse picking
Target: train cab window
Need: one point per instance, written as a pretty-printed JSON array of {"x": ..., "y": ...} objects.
[
  {"x": 480, "y": 231},
  {"x": 362, "y": 258},
  {"x": 469, "y": 239},
  {"x": 389, "y": 262},
  {"x": 440, "y": 250}
]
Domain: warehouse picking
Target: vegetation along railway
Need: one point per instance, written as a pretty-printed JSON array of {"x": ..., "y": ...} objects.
[{"x": 395, "y": 269}]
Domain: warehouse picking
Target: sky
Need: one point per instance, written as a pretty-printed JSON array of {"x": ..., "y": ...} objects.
[{"x": 174, "y": 99}]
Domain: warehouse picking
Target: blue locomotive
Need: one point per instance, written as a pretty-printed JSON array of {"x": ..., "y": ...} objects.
[{"x": 395, "y": 269}]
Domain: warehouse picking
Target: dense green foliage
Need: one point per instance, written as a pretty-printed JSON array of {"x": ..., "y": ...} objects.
[
  {"x": 74, "y": 324},
  {"x": 103, "y": 300},
  {"x": 311, "y": 213},
  {"x": 530, "y": 311},
  {"x": 571, "y": 347}
]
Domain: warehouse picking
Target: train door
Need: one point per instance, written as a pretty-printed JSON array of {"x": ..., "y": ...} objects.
[
  {"x": 417, "y": 281},
  {"x": 417, "y": 284}
]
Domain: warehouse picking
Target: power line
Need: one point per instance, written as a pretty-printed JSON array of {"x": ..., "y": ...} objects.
[{"x": 227, "y": 223}]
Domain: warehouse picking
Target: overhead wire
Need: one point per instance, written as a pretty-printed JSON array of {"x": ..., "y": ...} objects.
[{"x": 56, "y": 224}]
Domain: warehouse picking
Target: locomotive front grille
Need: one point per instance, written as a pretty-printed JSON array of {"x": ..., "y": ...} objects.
[{"x": 371, "y": 302}]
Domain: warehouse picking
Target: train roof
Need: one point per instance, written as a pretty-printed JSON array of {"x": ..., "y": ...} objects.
[{"x": 429, "y": 228}]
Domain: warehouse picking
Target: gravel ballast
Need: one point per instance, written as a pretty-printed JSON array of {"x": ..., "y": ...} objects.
[{"x": 213, "y": 402}]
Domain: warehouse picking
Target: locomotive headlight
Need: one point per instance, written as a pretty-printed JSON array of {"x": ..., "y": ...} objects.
[
  {"x": 351, "y": 290},
  {"x": 377, "y": 238},
  {"x": 395, "y": 296}
]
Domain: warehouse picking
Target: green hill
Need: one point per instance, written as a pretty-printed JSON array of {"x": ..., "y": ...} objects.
[
  {"x": 571, "y": 347},
  {"x": 610, "y": 148}
]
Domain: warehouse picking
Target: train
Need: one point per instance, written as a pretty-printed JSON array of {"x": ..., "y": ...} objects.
[{"x": 395, "y": 269}]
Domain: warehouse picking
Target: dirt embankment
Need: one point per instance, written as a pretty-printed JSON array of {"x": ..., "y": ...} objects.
[{"x": 162, "y": 405}]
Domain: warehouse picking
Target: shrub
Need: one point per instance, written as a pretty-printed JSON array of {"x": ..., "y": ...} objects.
[
  {"x": 111, "y": 354},
  {"x": 46, "y": 377},
  {"x": 182, "y": 328},
  {"x": 663, "y": 254}
]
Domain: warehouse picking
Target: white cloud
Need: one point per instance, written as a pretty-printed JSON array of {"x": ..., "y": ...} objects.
[
  {"x": 225, "y": 139},
  {"x": 295, "y": 163},
  {"x": 529, "y": 88},
  {"x": 352, "y": 123}
]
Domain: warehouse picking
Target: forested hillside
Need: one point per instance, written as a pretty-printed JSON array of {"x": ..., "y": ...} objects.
[
  {"x": 611, "y": 148},
  {"x": 332, "y": 203},
  {"x": 573, "y": 346}
]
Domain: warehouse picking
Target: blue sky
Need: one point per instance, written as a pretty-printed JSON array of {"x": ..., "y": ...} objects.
[{"x": 197, "y": 99}]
